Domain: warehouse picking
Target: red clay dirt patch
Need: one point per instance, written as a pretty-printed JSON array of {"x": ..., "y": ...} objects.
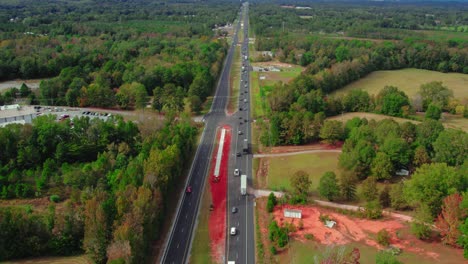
[
  {"x": 314, "y": 146},
  {"x": 217, "y": 219},
  {"x": 348, "y": 229}
]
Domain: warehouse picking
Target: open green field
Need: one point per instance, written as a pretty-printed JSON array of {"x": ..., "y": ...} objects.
[
  {"x": 53, "y": 260},
  {"x": 201, "y": 251},
  {"x": 315, "y": 164},
  {"x": 444, "y": 35},
  {"x": 409, "y": 80},
  {"x": 456, "y": 122},
  {"x": 303, "y": 252},
  {"x": 258, "y": 103},
  {"x": 378, "y": 117}
]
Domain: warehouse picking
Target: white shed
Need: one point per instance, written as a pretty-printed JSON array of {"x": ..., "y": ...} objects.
[{"x": 291, "y": 213}]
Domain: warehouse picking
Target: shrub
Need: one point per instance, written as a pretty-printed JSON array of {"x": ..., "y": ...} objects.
[
  {"x": 420, "y": 230},
  {"x": 373, "y": 210},
  {"x": 384, "y": 257},
  {"x": 271, "y": 202},
  {"x": 383, "y": 237},
  {"x": 300, "y": 226},
  {"x": 54, "y": 198},
  {"x": 309, "y": 236},
  {"x": 323, "y": 218},
  {"x": 273, "y": 250}
]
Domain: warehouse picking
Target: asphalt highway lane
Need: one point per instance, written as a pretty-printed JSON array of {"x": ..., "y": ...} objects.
[{"x": 179, "y": 243}]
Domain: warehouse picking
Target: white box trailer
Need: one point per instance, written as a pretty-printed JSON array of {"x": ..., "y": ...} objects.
[{"x": 243, "y": 184}]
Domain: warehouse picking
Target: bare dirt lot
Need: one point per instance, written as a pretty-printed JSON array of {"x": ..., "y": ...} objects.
[{"x": 355, "y": 230}]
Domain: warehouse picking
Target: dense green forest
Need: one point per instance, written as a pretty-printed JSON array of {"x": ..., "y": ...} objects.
[
  {"x": 109, "y": 53},
  {"x": 332, "y": 62},
  {"x": 111, "y": 184}
]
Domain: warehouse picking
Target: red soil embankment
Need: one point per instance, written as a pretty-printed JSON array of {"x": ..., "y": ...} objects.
[{"x": 218, "y": 189}]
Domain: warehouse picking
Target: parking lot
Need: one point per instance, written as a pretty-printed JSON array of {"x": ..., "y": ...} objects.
[{"x": 27, "y": 113}]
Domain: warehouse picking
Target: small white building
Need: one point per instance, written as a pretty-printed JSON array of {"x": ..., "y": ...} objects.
[
  {"x": 402, "y": 172},
  {"x": 10, "y": 107},
  {"x": 330, "y": 223},
  {"x": 291, "y": 213}
]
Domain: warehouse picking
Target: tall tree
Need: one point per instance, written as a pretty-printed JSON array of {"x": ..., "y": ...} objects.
[
  {"x": 332, "y": 131},
  {"x": 451, "y": 147},
  {"x": 435, "y": 92},
  {"x": 300, "y": 183},
  {"x": 451, "y": 218},
  {"x": 328, "y": 186},
  {"x": 96, "y": 235},
  {"x": 382, "y": 167},
  {"x": 433, "y": 112},
  {"x": 430, "y": 184}
]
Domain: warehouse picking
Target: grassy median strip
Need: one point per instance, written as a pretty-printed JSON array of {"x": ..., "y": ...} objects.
[{"x": 234, "y": 81}]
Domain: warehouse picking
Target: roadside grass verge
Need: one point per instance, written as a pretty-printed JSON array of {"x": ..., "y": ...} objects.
[
  {"x": 282, "y": 168},
  {"x": 409, "y": 81},
  {"x": 207, "y": 105},
  {"x": 255, "y": 96},
  {"x": 201, "y": 251}
]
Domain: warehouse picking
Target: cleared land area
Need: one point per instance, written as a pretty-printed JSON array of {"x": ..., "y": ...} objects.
[
  {"x": 448, "y": 120},
  {"x": 352, "y": 232},
  {"x": 33, "y": 84},
  {"x": 409, "y": 80},
  {"x": 277, "y": 171}
]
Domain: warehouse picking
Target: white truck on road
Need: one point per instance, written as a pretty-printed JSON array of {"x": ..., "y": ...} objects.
[{"x": 243, "y": 184}]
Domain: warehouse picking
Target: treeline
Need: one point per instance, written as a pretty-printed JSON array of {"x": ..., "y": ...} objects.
[
  {"x": 111, "y": 56},
  {"x": 320, "y": 53},
  {"x": 115, "y": 185},
  {"x": 297, "y": 117},
  {"x": 381, "y": 20},
  {"x": 381, "y": 151}
]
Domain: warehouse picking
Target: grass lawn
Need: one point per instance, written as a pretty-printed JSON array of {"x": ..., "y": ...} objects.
[
  {"x": 255, "y": 96},
  {"x": 207, "y": 105},
  {"x": 456, "y": 122},
  {"x": 300, "y": 252},
  {"x": 201, "y": 251},
  {"x": 315, "y": 164},
  {"x": 409, "y": 80}
]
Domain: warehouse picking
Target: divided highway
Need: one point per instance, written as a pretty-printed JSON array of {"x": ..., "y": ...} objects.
[
  {"x": 180, "y": 239},
  {"x": 241, "y": 247}
]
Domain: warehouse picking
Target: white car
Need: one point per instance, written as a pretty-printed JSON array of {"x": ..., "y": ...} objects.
[
  {"x": 233, "y": 231},
  {"x": 236, "y": 172}
]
